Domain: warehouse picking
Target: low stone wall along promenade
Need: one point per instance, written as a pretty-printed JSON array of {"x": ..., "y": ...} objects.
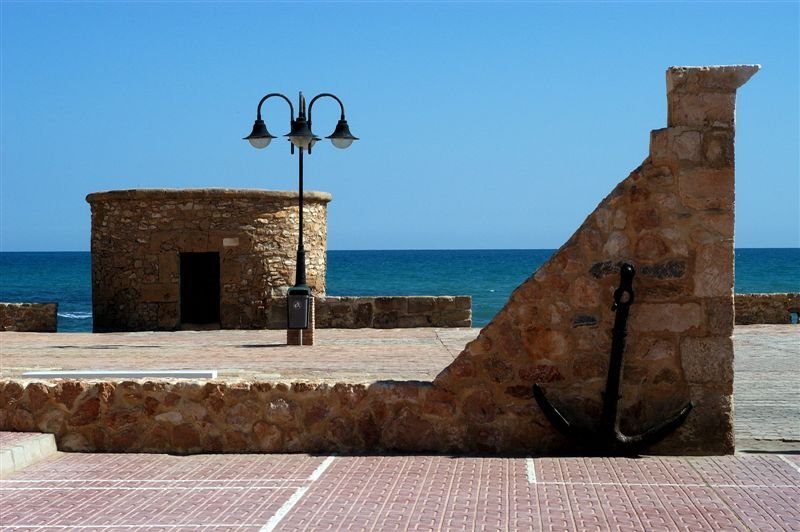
[
  {"x": 388, "y": 312},
  {"x": 28, "y": 317},
  {"x": 767, "y": 308}
]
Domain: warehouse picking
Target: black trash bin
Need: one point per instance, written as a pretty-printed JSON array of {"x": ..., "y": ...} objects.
[{"x": 298, "y": 307}]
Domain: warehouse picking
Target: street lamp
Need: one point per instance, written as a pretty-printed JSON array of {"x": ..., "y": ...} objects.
[{"x": 300, "y": 136}]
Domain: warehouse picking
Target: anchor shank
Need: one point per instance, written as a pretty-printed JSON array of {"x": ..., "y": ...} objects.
[
  {"x": 623, "y": 297},
  {"x": 611, "y": 395}
]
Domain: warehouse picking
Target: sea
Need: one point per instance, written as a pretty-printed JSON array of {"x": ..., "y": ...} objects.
[{"x": 489, "y": 276}]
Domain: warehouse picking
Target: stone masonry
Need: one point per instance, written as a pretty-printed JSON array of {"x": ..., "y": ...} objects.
[
  {"x": 672, "y": 218},
  {"x": 29, "y": 317},
  {"x": 388, "y": 312},
  {"x": 767, "y": 308},
  {"x": 139, "y": 235}
]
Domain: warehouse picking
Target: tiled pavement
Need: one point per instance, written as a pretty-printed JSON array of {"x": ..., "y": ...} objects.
[
  {"x": 766, "y": 386},
  {"x": 340, "y": 355},
  {"x": 301, "y": 492}
]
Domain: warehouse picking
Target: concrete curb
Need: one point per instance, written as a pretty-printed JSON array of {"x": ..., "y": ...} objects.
[{"x": 21, "y": 453}]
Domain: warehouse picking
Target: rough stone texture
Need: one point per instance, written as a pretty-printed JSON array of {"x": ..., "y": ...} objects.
[
  {"x": 673, "y": 219},
  {"x": 29, "y": 317},
  {"x": 388, "y": 312},
  {"x": 766, "y": 308},
  {"x": 138, "y": 236},
  {"x": 153, "y": 416}
]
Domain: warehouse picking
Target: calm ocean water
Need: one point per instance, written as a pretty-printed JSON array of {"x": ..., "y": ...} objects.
[{"x": 489, "y": 276}]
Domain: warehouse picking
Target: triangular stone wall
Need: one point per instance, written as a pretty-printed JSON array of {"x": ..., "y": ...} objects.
[{"x": 672, "y": 218}]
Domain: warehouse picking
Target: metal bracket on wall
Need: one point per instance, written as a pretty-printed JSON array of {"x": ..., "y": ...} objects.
[{"x": 608, "y": 435}]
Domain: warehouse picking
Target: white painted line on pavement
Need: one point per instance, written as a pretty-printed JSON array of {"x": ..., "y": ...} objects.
[
  {"x": 662, "y": 484},
  {"x": 296, "y": 496},
  {"x": 154, "y": 488},
  {"x": 148, "y": 480},
  {"x": 531, "y": 470},
  {"x": 795, "y": 466},
  {"x": 283, "y": 510},
  {"x": 126, "y": 374},
  {"x": 321, "y": 469},
  {"x": 103, "y": 527}
]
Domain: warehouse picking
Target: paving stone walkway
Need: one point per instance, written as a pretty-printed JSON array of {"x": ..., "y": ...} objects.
[
  {"x": 302, "y": 492},
  {"x": 766, "y": 387},
  {"x": 340, "y": 355}
]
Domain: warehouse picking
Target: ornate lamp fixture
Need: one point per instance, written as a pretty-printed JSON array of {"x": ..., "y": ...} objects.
[{"x": 301, "y": 137}]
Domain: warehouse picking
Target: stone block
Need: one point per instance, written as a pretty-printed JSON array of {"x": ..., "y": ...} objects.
[
  {"x": 705, "y": 109},
  {"x": 718, "y": 148},
  {"x": 362, "y": 315},
  {"x": 696, "y": 79},
  {"x": 584, "y": 292},
  {"x": 660, "y": 153},
  {"x": 463, "y": 302},
  {"x": 383, "y": 304},
  {"x": 159, "y": 292},
  {"x": 230, "y": 272},
  {"x": 453, "y": 318},
  {"x": 687, "y": 144},
  {"x": 664, "y": 291},
  {"x": 707, "y": 189},
  {"x": 650, "y": 247},
  {"x": 708, "y": 429},
  {"x": 168, "y": 315},
  {"x": 670, "y": 269},
  {"x": 713, "y": 270},
  {"x": 413, "y": 320},
  {"x": 420, "y": 305},
  {"x": 617, "y": 247},
  {"x": 168, "y": 267},
  {"x": 666, "y": 317},
  {"x": 708, "y": 360},
  {"x": 719, "y": 312}
]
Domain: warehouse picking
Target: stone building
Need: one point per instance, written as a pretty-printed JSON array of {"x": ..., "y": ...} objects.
[{"x": 171, "y": 259}]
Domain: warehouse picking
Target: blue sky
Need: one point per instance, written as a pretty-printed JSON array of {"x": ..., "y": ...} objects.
[{"x": 482, "y": 125}]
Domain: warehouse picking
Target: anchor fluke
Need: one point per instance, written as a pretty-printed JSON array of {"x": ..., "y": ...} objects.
[
  {"x": 555, "y": 417},
  {"x": 657, "y": 432}
]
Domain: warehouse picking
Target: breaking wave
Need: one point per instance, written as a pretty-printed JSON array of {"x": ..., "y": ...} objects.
[{"x": 75, "y": 315}]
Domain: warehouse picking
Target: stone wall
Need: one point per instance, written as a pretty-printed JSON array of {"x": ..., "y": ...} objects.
[
  {"x": 388, "y": 312},
  {"x": 195, "y": 417},
  {"x": 672, "y": 218},
  {"x": 766, "y": 308},
  {"x": 29, "y": 317},
  {"x": 138, "y": 236}
]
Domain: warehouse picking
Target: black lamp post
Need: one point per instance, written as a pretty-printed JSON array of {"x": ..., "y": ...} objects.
[{"x": 300, "y": 136}]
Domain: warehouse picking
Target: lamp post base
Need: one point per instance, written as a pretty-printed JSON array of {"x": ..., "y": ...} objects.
[{"x": 303, "y": 336}]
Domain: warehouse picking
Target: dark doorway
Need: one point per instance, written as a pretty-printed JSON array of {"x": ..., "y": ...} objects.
[{"x": 199, "y": 288}]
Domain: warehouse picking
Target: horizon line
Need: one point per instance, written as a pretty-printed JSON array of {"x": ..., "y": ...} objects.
[{"x": 395, "y": 249}]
